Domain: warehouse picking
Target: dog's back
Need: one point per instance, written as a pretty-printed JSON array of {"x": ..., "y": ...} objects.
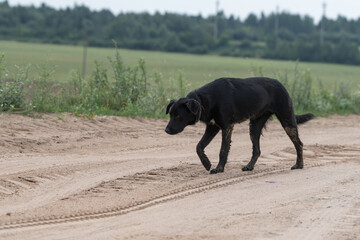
[{"x": 242, "y": 99}]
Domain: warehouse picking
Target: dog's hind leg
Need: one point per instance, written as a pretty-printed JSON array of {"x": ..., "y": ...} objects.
[
  {"x": 290, "y": 126},
  {"x": 210, "y": 133},
  {"x": 293, "y": 134},
  {"x": 225, "y": 148},
  {"x": 256, "y": 126}
]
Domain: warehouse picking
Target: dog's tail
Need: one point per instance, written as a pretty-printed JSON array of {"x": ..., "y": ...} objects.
[{"x": 304, "y": 118}]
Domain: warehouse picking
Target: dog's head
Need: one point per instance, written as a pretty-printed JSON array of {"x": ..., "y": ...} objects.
[{"x": 183, "y": 112}]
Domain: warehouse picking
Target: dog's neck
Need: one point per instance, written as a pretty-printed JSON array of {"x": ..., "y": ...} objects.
[{"x": 193, "y": 95}]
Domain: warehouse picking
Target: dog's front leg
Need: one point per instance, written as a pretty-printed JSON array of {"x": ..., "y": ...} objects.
[
  {"x": 225, "y": 148},
  {"x": 210, "y": 133}
]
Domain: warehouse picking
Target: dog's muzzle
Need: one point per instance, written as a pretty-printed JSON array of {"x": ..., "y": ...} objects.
[
  {"x": 171, "y": 131},
  {"x": 168, "y": 131}
]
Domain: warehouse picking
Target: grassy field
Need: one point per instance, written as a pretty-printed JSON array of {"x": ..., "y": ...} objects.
[
  {"x": 196, "y": 69},
  {"x": 128, "y": 93}
]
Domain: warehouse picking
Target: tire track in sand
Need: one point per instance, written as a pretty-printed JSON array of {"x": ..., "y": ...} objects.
[{"x": 321, "y": 155}]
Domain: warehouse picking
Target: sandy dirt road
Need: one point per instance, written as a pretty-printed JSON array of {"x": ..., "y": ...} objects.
[{"x": 66, "y": 177}]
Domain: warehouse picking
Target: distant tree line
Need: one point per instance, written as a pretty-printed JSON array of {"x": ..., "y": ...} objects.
[{"x": 294, "y": 37}]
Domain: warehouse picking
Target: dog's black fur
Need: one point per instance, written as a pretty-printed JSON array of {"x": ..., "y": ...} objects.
[{"x": 226, "y": 101}]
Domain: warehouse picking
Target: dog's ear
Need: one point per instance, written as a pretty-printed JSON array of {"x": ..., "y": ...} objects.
[
  {"x": 194, "y": 107},
  {"x": 169, "y": 106}
]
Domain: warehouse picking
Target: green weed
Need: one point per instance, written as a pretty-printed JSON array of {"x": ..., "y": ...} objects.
[
  {"x": 12, "y": 95},
  {"x": 319, "y": 100}
]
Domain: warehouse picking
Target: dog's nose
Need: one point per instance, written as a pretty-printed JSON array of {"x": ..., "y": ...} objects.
[{"x": 167, "y": 130}]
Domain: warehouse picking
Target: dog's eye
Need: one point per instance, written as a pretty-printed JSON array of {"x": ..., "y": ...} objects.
[{"x": 177, "y": 116}]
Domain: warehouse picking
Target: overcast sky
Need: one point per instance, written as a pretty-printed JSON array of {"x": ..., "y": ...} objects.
[{"x": 238, "y": 8}]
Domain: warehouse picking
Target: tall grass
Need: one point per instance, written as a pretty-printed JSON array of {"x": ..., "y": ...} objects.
[
  {"x": 343, "y": 99},
  {"x": 12, "y": 94},
  {"x": 132, "y": 91}
]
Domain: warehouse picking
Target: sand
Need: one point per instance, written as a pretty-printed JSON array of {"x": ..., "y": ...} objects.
[{"x": 69, "y": 177}]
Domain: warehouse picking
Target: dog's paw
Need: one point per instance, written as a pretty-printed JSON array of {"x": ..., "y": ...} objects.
[
  {"x": 296, "y": 166},
  {"x": 217, "y": 170},
  {"x": 248, "y": 168}
]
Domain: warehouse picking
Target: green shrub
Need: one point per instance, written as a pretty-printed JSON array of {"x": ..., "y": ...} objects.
[
  {"x": 356, "y": 101},
  {"x": 130, "y": 83},
  {"x": 12, "y": 94},
  {"x": 43, "y": 92}
]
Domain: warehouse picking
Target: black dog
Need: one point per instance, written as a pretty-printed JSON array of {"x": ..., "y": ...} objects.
[{"x": 226, "y": 101}]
